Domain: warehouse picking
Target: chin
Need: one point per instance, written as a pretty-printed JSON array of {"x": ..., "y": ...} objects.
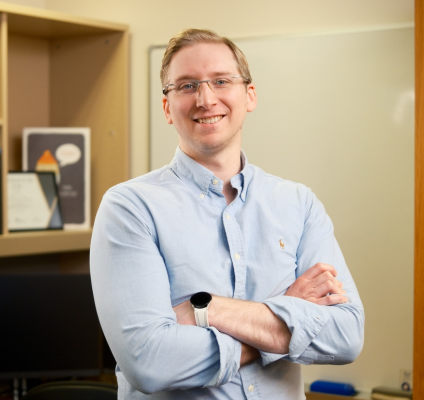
[{"x": 211, "y": 147}]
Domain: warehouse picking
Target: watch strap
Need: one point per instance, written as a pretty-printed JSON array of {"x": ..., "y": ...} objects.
[{"x": 201, "y": 315}]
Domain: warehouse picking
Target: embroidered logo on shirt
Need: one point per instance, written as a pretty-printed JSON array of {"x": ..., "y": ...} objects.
[{"x": 281, "y": 244}]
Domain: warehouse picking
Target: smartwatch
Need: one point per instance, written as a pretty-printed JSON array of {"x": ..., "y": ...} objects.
[{"x": 200, "y": 302}]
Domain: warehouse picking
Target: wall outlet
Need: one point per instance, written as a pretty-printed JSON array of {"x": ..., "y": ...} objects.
[{"x": 405, "y": 380}]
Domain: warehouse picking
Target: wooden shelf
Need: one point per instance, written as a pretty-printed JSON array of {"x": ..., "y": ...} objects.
[
  {"x": 24, "y": 20},
  {"x": 27, "y": 243},
  {"x": 60, "y": 70}
]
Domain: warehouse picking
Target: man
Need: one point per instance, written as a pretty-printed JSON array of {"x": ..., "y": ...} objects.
[{"x": 213, "y": 279}]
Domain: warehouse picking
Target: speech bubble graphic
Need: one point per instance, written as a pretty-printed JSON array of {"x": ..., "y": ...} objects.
[{"x": 67, "y": 154}]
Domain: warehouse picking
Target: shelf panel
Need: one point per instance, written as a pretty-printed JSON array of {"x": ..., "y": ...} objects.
[
  {"x": 26, "y": 243},
  {"x": 52, "y": 24}
]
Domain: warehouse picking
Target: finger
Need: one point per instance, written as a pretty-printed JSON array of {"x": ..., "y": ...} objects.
[
  {"x": 318, "y": 269},
  {"x": 331, "y": 300},
  {"x": 328, "y": 287},
  {"x": 327, "y": 278},
  {"x": 322, "y": 278}
]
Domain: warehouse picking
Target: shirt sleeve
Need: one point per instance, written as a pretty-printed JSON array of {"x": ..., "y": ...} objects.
[
  {"x": 320, "y": 334},
  {"x": 133, "y": 300}
]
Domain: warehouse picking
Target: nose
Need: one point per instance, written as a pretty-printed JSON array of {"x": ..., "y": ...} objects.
[{"x": 205, "y": 96}]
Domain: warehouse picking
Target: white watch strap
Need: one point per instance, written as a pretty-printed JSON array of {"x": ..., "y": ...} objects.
[{"x": 201, "y": 315}]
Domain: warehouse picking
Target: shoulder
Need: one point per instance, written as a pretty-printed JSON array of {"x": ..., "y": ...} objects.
[
  {"x": 271, "y": 184},
  {"x": 285, "y": 196},
  {"x": 136, "y": 196},
  {"x": 144, "y": 185},
  {"x": 129, "y": 203}
]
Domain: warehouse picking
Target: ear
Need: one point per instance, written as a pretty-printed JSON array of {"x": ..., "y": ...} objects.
[
  {"x": 252, "y": 100},
  {"x": 165, "y": 106}
]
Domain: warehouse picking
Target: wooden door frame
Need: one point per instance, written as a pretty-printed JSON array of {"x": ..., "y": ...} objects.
[{"x": 418, "y": 374}]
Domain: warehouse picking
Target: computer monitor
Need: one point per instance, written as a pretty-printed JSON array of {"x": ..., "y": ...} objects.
[{"x": 49, "y": 327}]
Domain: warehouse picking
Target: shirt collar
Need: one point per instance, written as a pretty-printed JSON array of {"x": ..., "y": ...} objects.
[{"x": 203, "y": 179}]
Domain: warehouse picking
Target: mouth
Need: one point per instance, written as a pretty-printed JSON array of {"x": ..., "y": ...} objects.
[{"x": 211, "y": 120}]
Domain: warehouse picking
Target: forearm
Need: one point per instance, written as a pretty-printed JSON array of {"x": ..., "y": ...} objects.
[
  {"x": 174, "y": 357},
  {"x": 250, "y": 322},
  {"x": 320, "y": 334}
]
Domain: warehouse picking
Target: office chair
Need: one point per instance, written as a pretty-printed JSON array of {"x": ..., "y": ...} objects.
[{"x": 73, "y": 390}]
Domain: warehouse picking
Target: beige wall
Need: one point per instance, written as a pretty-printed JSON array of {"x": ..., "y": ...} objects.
[
  {"x": 29, "y": 3},
  {"x": 154, "y": 22},
  {"x": 327, "y": 119}
]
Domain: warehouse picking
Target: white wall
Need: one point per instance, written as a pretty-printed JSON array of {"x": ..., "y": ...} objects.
[{"x": 153, "y": 23}]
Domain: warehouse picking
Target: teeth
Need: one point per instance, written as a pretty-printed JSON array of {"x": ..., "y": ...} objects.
[{"x": 209, "y": 120}]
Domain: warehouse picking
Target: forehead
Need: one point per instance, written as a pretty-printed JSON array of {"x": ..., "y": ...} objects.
[{"x": 202, "y": 60}]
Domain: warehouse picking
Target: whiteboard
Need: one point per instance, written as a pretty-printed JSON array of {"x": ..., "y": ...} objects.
[{"x": 336, "y": 112}]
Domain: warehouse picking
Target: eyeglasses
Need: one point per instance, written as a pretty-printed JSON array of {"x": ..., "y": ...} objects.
[{"x": 192, "y": 86}]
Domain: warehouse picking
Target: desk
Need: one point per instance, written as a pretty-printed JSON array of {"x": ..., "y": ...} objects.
[{"x": 325, "y": 396}]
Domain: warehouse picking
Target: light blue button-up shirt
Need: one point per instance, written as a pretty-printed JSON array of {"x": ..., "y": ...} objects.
[{"x": 163, "y": 236}]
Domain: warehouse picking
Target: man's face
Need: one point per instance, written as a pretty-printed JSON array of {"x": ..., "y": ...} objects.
[{"x": 208, "y": 120}]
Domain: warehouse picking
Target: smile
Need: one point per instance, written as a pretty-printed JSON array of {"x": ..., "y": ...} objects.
[{"x": 211, "y": 120}]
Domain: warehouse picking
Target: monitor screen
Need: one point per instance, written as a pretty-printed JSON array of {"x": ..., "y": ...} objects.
[{"x": 49, "y": 326}]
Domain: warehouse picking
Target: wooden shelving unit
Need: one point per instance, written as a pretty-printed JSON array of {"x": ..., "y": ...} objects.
[
  {"x": 65, "y": 71},
  {"x": 22, "y": 243}
]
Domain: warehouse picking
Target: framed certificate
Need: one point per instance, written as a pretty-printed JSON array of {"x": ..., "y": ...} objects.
[{"x": 32, "y": 201}]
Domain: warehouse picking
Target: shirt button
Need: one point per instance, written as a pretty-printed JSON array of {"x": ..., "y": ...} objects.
[
  {"x": 202, "y": 195},
  {"x": 237, "y": 256},
  {"x": 227, "y": 216},
  {"x": 215, "y": 181},
  {"x": 251, "y": 388}
]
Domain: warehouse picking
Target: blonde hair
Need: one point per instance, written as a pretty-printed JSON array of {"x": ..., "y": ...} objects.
[{"x": 189, "y": 37}]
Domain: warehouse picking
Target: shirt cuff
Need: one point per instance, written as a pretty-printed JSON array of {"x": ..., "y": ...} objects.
[
  {"x": 304, "y": 320},
  {"x": 229, "y": 355}
]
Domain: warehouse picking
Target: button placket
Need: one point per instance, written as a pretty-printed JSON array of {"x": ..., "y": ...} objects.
[
  {"x": 236, "y": 246},
  {"x": 250, "y": 384}
]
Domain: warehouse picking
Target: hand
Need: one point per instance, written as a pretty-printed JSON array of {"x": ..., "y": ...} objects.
[
  {"x": 319, "y": 285},
  {"x": 185, "y": 313},
  {"x": 248, "y": 354}
]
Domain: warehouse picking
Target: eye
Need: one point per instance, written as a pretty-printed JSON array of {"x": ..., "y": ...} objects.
[
  {"x": 187, "y": 87},
  {"x": 221, "y": 82}
]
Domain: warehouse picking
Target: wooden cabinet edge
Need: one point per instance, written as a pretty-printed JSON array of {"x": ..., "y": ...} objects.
[
  {"x": 29, "y": 243},
  {"x": 60, "y": 17},
  {"x": 3, "y": 114}
]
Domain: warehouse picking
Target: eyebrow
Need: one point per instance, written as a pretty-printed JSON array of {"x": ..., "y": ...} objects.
[{"x": 214, "y": 75}]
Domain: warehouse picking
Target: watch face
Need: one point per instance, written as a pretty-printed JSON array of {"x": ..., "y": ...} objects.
[{"x": 200, "y": 299}]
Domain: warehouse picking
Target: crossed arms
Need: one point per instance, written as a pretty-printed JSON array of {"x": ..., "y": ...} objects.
[
  {"x": 255, "y": 325},
  {"x": 133, "y": 291}
]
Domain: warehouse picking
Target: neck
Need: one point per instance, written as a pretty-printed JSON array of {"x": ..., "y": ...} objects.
[{"x": 224, "y": 164}]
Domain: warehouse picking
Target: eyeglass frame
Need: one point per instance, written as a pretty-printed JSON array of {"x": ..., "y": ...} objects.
[{"x": 165, "y": 91}]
